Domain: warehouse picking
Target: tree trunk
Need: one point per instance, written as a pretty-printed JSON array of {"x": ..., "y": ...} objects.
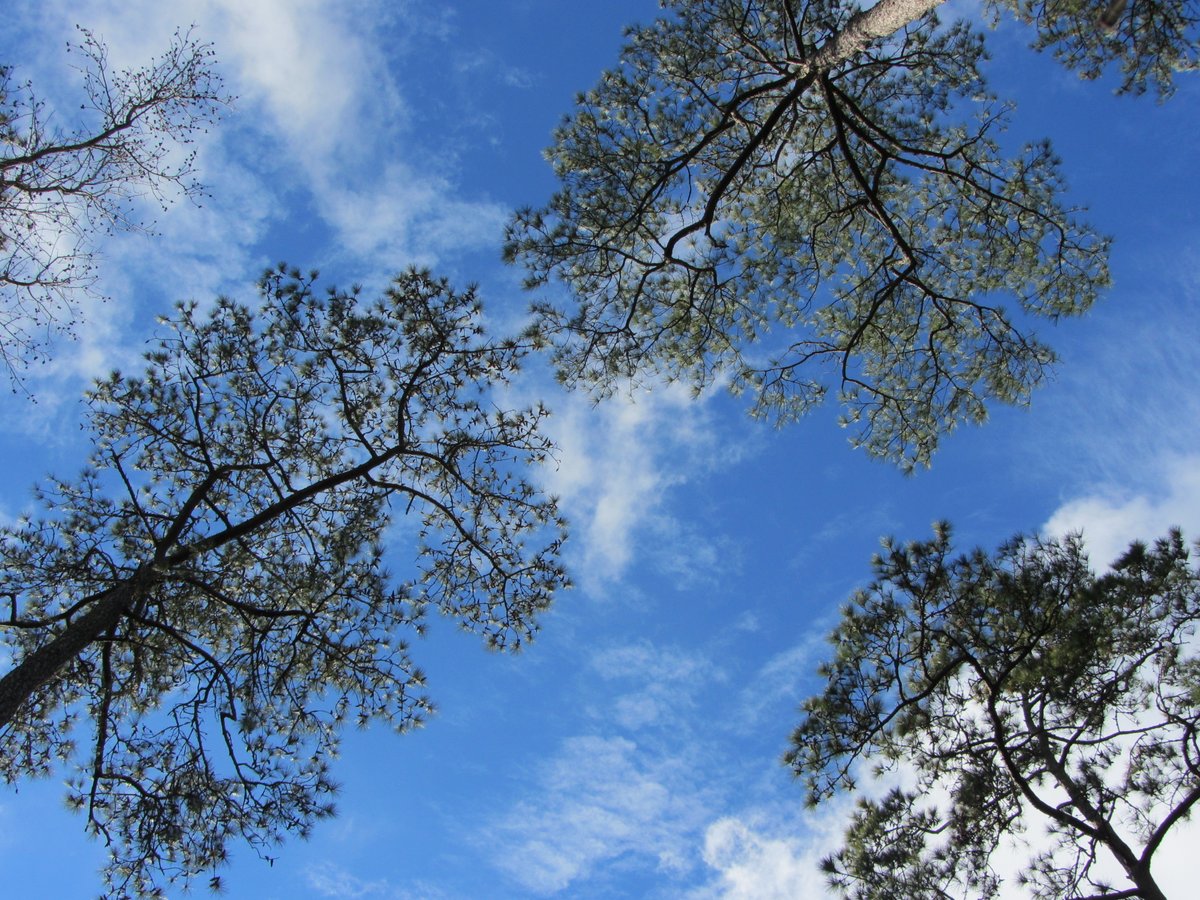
[
  {"x": 40, "y": 666},
  {"x": 884, "y": 18},
  {"x": 1146, "y": 885}
]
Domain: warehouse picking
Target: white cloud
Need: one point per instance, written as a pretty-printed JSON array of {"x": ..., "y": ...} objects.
[
  {"x": 486, "y": 62},
  {"x": 643, "y": 661},
  {"x": 1123, "y": 425},
  {"x": 1111, "y": 517},
  {"x": 408, "y": 217},
  {"x": 774, "y": 849},
  {"x": 600, "y": 799},
  {"x": 320, "y": 73},
  {"x": 752, "y": 865},
  {"x": 1160, "y": 491},
  {"x": 329, "y": 880},
  {"x": 319, "y": 101},
  {"x": 666, "y": 680},
  {"x": 315, "y": 68},
  {"x": 636, "y": 792},
  {"x": 620, "y": 460}
]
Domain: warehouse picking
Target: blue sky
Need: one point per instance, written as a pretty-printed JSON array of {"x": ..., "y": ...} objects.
[{"x": 633, "y": 749}]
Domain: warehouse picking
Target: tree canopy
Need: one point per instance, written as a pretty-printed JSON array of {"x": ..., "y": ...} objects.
[
  {"x": 58, "y": 187},
  {"x": 1014, "y": 690},
  {"x": 800, "y": 196},
  {"x": 194, "y": 617}
]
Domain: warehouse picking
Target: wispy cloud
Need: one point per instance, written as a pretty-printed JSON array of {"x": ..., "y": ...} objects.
[
  {"x": 487, "y": 63},
  {"x": 654, "y": 685},
  {"x": 327, "y": 879},
  {"x": 620, "y": 462},
  {"x": 316, "y": 69},
  {"x": 408, "y": 217},
  {"x": 639, "y": 785},
  {"x": 322, "y": 75},
  {"x": 600, "y": 798},
  {"x": 777, "y": 686},
  {"x": 660, "y": 779}
]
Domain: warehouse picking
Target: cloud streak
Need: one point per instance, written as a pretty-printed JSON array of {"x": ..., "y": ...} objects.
[
  {"x": 620, "y": 462},
  {"x": 600, "y": 798}
]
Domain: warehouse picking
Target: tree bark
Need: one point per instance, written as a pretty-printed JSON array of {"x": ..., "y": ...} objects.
[
  {"x": 884, "y": 18},
  {"x": 40, "y": 666}
]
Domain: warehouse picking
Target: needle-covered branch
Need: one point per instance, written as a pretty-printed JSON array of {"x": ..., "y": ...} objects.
[
  {"x": 803, "y": 197},
  {"x": 213, "y": 598},
  {"x": 1010, "y": 687}
]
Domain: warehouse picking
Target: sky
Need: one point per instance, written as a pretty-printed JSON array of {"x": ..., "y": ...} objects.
[{"x": 633, "y": 750}]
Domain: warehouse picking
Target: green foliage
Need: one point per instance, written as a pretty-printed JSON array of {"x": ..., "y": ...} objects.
[
  {"x": 1010, "y": 687},
  {"x": 237, "y": 507},
  {"x": 1149, "y": 41},
  {"x": 753, "y": 195}
]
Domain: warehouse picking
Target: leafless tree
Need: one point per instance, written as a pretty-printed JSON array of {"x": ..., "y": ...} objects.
[{"x": 63, "y": 184}]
